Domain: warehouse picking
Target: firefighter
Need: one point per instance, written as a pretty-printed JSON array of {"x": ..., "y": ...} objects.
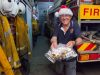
[{"x": 66, "y": 32}]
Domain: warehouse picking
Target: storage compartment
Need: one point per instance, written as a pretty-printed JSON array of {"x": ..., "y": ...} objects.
[{"x": 90, "y": 26}]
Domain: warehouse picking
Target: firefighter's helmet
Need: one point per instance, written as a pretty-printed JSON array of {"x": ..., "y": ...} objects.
[
  {"x": 7, "y": 6},
  {"x": 14, "y": 11},
  {"x": 21, "y": 8}
]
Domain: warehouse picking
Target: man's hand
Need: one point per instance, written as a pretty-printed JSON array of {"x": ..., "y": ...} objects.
[
  {"x": 79, "y": 41},
  {"x": 54, "y": 45},
  {"x": 53, "y": 42},
  {"x": 70, "y": 43}
]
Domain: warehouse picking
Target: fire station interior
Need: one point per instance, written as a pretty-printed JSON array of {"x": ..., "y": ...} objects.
[{"x": 27, "y": 26}]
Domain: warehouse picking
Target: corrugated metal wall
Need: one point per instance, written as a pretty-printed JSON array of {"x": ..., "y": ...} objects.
[{"x": 29, "y": 22}]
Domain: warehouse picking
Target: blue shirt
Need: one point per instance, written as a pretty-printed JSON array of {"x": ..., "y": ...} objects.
[{"x": 71, "y": 34}]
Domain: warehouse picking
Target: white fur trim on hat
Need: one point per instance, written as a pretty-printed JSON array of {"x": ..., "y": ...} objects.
[{"x": 65, "y": 11}]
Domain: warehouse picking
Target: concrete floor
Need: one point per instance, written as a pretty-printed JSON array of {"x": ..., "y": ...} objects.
[{"x": 39, "y": 63}]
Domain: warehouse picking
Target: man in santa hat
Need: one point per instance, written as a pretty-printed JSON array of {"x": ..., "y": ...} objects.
[{"x": 66, "y": 32}]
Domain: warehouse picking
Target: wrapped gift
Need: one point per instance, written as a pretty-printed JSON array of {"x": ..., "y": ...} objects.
[{"x": 60, "y": 53}]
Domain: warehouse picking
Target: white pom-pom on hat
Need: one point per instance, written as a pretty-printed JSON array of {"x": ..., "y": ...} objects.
[{"x": 56, "y": 14}]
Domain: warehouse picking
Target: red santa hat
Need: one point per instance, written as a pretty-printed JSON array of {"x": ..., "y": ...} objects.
[{"x": 64, "y": 10}]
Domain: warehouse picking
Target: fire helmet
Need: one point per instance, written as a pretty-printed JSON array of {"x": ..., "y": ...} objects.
[{"x": 21, "y": 8}]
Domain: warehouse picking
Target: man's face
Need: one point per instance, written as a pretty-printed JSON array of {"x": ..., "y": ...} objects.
[{"x": 65, "y": 19}]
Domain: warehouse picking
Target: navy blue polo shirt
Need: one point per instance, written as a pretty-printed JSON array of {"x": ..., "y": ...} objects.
[{"x": 71, "y": 34}]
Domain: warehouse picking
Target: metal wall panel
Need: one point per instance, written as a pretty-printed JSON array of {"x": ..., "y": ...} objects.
[{"x": 29, "y": 22}]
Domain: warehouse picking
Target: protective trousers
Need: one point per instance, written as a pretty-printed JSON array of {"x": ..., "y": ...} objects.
[
  {"x": 22, "y": 42},
  {"x": 5, "y": 64},
  {"x": 9, "y": 44}
]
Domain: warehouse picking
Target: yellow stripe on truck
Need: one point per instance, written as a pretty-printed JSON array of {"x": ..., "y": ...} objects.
[
  {"x": 83, "y": 47},
  {"x": 93, "y": 47}
]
